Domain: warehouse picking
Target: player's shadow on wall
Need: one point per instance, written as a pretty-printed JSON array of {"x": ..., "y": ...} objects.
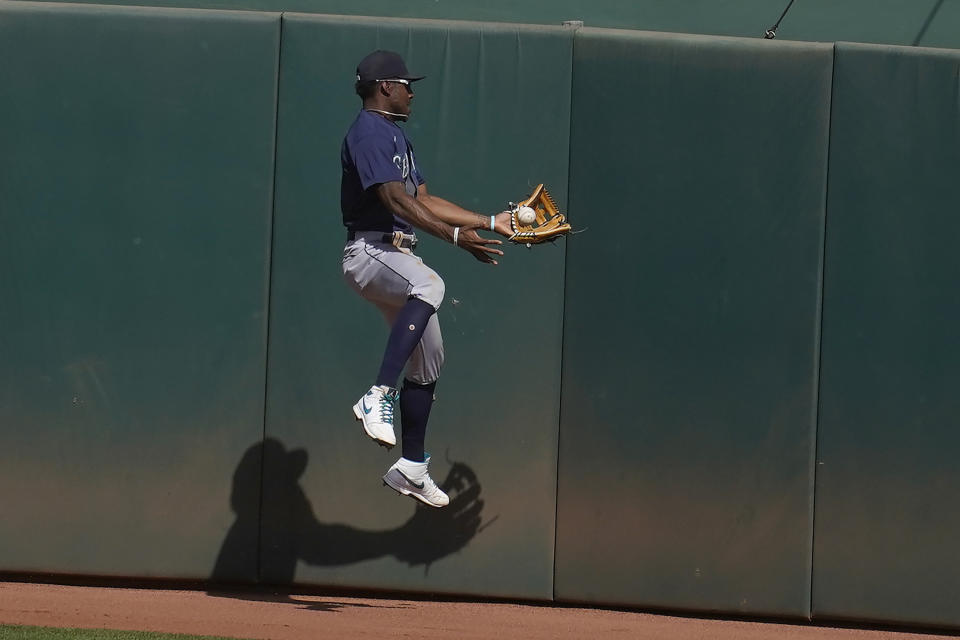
[{"x": 290, "y": 531}]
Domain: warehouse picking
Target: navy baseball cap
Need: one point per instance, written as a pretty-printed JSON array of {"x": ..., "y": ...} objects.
[{"x": 384, "y": 65}]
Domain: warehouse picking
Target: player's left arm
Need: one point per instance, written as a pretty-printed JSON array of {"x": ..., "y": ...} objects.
[{"x": 457, "y": 216}]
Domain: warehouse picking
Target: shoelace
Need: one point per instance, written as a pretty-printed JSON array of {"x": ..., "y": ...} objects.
[
  {"x": 386, "y": 406},
  {"x": 429, "y": 486}
]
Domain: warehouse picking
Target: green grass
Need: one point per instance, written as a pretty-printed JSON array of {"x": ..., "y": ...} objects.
[{"x": 13, "y": 632}]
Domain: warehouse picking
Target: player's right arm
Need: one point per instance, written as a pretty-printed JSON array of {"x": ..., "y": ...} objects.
[{"x": 395, "y": 198}]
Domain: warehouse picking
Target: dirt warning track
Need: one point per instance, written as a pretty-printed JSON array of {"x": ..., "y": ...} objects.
[{"x": 288, "y": 616}]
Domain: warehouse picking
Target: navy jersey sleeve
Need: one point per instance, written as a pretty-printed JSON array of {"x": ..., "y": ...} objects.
[{"x": 373, "y": 156}]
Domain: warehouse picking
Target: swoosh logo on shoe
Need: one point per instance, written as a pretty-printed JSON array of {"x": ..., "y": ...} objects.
[
  {"x": 363, "y": 403},
  {"x": 407, "y": 478}
]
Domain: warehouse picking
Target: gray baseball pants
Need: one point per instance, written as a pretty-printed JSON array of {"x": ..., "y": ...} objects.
[{"x": 388, "y": 277}]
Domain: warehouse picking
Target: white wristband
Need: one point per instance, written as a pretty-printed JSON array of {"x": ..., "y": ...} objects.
[
  {"x": 492, "y": 221},
  {"x": 456, "y": 233}
]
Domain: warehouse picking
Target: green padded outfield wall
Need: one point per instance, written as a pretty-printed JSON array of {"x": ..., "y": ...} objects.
[
  {"x": 691, "y": 327},
  {"x": 490, "y": 121},
  {"x": 136, "y": 171},
  {"x": 933, "y": 23},
  {"x": 887, "y": 477}
]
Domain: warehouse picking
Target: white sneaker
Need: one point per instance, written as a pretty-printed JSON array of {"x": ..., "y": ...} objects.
[
  {"x": 375, "y": 411},
  {"x": 411, "y": 479}
]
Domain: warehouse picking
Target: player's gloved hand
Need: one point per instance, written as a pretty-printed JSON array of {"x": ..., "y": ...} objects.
[
  {"x": 478, "y": 246},
  {"x": 546, "y": 223}
]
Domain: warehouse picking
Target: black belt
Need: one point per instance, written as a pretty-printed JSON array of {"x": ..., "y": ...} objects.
[{"x": 397, "y": 238}]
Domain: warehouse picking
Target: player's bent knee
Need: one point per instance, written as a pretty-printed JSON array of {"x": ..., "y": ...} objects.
[
  {"x": 431, "y": 292},
  {"x": 427, "y": 370}
]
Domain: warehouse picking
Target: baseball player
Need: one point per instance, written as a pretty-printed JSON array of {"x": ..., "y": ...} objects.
[{"x": 383, "y": 196}]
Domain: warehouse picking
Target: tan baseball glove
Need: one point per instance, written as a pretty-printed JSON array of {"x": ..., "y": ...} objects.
[{"x": 544, "y": 223}]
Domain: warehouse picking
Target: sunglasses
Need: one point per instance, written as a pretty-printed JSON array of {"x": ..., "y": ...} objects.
[{"x": 402, "y": 81}]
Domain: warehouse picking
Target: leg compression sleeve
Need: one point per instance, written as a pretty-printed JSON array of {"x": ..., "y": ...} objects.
[
  {"x": 415, "y": 403},
  {"x": 405, "y": 333}
]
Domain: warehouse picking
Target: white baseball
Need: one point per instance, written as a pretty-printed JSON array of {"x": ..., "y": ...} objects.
[{"x": 526, "y": 216}]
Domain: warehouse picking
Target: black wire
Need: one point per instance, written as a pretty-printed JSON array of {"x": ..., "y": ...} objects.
[{"x": 772, "y": 31}]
